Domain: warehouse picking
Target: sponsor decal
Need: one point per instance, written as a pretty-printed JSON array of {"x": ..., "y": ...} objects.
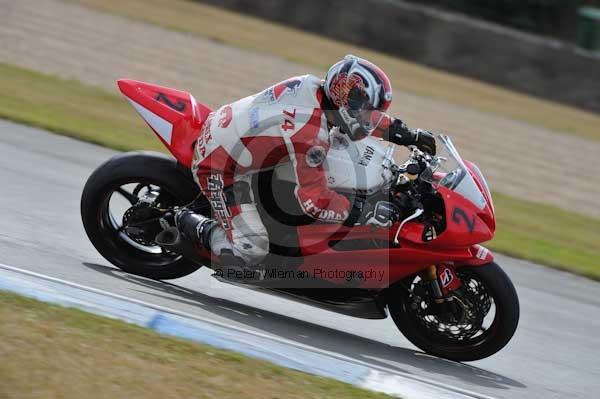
[
  {"x": 205, "y": 137},
  {"x": 275, "y": 93},
  {"x": 482, "y": 253},
  {"x": 217, "y": 200},
  {"x": 267, "y": 96},
  {"x": 254, "y": 118},
  {"x": 226, "y": 115},
  {"x": 366, "y": 156},
  {"x": 446, "y": 277},
  {"x": 315, "y": 156},
  {"x": 323, "y": 214},
  {"x": 449, "y": 281}
]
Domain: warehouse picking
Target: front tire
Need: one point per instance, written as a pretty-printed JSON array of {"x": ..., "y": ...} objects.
[
  {"x": 446, "y": 340},
  {"x": 138, "y": 169}
]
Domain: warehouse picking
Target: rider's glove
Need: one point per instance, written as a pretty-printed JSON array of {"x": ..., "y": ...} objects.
[
  {"x": 383, "y": 214},
  {"x": 425, "y": 141},
  {"x": 359, "y": 206},
  {"x": 400, "y": 134}
]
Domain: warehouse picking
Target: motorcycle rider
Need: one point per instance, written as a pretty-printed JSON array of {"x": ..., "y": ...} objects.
[{"x": 289, "y": 122}]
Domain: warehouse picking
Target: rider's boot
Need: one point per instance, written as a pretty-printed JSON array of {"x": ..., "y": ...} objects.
[
  {"x": 198, "y": 229},
  {"x": 234, "y": 268}
]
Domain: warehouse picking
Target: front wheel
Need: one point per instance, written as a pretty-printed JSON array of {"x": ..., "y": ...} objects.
[{"x": 487, "y": 316}]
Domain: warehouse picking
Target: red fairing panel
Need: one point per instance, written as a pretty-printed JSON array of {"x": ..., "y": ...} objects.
[
  {"x": 458, "y": 245},
  {"x": 481, "y": 256},
  {"x": 173, "y": 115},
  {"x": 466, "y": 225},
  {"x": 323, "y": 259}
]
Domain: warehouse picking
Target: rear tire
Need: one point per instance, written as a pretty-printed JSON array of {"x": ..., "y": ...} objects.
[
  {"x": 135, "y": 167},
  {"x": 499, "y": 333}
]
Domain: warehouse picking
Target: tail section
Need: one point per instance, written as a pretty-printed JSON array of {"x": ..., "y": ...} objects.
[{"x": 173, "y": 115}]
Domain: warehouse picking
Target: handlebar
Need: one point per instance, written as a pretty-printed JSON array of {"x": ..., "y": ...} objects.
[
  {"x": 418, "y": 164},
  {"x": 411, "y": 187},
  {"x": 405, "y": 183},
  {"x": 409, "y": 182}
]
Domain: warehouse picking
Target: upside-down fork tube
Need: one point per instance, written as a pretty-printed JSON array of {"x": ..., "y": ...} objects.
[{"x": 430, "y": 275}]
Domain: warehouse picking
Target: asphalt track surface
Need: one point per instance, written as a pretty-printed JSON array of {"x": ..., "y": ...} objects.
[{"x": 554, "y": 354}]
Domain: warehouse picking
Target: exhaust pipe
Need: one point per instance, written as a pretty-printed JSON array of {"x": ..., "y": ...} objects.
[{"x": 173, "y": 240}]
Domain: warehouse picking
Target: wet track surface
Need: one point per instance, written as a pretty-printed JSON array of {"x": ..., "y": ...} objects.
[{"x": 554, "y": 354}]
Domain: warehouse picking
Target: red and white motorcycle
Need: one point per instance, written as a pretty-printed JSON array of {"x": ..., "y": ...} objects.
[{"x": 428, "y": 270}]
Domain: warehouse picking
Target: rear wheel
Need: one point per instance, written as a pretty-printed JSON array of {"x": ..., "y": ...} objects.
[
  {"x": 121, "y": 205},
  {"x": 486, "y": 318}
]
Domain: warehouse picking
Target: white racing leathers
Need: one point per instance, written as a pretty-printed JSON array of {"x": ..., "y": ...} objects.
[{"x": 284, "y": 123}]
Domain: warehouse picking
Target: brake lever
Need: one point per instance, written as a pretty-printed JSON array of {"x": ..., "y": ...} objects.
[{"x": 418, "y": 212}]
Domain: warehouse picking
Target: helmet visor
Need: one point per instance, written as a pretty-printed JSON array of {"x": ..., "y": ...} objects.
[
  {"x": 370, "y": 119},
  {"x": 360, "y": 108},
  {"x": 367, "y": 118}
]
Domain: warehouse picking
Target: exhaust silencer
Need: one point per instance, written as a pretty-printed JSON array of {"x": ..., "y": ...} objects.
[{"x": 172, "y": 239}]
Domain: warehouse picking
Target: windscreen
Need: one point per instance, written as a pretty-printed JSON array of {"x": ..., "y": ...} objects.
[{"x": 451, "y": 172}]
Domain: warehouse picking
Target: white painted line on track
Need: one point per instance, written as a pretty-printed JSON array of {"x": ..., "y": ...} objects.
[{"x": 393, "y": 382}]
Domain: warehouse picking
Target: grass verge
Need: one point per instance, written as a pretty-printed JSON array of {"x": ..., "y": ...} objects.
[
  {"x": 263, "y": 36},
  {"x": 528, "y": 230},
  {"x": 72, "y": 109},
  {"x": 54, "y": 352},
  {"x": 547, "y": 235}
]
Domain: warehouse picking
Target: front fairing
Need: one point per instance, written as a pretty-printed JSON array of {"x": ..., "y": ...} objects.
[
  {"x": 451, "y": 172},
  {"x": 469, "y": 213},
  {"x": 490, "y": 215},
  {"x": 466, "y": 224},
  {"x": 469, "y": 221}
]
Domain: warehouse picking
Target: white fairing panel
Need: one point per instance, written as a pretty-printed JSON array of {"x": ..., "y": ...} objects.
[
  {"x": 161, "y": 126},
  {"x": 351, "y": 166}
]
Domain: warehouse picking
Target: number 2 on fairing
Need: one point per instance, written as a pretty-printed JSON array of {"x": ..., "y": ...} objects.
[
  {"x": 180, "y": 106},
  {"x": 459, "y": 214}
]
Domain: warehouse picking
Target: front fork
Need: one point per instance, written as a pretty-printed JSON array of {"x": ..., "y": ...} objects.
[
  {"x": 442, "y": 281},
  {"x": 431, "y": 276}
]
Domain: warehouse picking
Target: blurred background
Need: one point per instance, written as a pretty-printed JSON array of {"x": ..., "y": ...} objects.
[
  {"x": 516, "y": 84},
  {"x": 487, "y": 40}
]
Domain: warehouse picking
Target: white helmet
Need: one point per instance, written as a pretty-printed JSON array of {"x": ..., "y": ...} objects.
[{"x": 360, "y": 92}]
